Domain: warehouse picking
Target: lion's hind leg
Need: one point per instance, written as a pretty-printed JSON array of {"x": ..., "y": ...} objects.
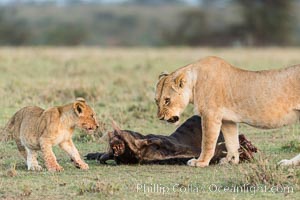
[
  {"x": 32, "y": 163},
  {"x": 21, "y": 149},
  {"x": 293, "y": 161}
]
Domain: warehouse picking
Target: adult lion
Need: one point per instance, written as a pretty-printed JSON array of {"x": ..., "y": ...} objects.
[
  {"x": 224, "y": 95},
  {"x": 34, "y": 128}
]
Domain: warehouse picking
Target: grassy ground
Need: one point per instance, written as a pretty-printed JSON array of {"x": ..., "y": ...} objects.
[{"x": 119, "y": 84}]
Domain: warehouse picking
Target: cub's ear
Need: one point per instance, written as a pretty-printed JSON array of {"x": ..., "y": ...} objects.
[
  {"x": 78, "y": 108},
  {"x": 163, "y": 74},
  {"x": 80, "y": 99},
  {"x": 180, "y": 80}
]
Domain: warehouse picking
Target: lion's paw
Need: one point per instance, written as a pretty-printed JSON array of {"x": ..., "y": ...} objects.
[
  {"x": 196, "y": 163},
  {"x": 229, "y": 160},
  {"x": 224, "y": 161}
]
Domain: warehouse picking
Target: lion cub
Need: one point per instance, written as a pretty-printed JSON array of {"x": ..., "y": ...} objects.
[{"x": 34, "y": 128}]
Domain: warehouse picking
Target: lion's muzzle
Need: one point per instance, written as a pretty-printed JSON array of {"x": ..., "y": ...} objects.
[
  {"x": 90, "y": 128},
  {"x": 173, "y": 119}
]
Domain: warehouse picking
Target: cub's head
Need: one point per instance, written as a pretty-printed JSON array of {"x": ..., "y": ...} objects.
[
  {"x": 86, "y": 115},
  {"x": 172, "y": 95}
]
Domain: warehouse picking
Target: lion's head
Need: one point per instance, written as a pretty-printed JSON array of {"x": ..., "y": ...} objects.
[
  {"x": 86, "y": 115},
  {"x": 172, "y": 95}
]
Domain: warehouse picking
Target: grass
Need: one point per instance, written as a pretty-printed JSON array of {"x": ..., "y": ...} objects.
[{"x": 119, "y": 84}]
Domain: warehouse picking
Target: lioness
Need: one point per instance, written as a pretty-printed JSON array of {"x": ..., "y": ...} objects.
[
  {"x": 224, "y": 95},
  {"x": 34, "y": 128}
]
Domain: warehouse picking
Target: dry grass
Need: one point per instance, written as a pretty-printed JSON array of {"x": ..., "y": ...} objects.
[
  {"x": 119, "y": 84},
  {"x": 263, "y": 172}
]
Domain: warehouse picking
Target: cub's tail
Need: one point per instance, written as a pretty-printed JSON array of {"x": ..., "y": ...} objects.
[{"x": 6, "y": 132}]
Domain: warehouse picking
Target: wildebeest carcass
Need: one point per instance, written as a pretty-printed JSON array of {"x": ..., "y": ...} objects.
[{"x": 129, "y": 147}]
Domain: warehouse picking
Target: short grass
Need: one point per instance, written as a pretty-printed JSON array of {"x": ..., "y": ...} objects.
[{"x": 119, "y": 84}]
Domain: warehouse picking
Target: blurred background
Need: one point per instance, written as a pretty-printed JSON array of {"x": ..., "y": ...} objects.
[{"x": 150, "y": 22}]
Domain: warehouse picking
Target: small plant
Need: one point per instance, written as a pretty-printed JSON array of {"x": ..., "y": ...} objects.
[
  {"x": 26, "y": 191},
  {"x": 97, "y": 187},
  {"x": 12, "y": 172},
  {"x": 263, "y": 173}
]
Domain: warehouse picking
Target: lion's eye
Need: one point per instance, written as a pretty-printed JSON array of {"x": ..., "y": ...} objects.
[
  {"x": 156, "y": 101},
  {"x": 167, "y": 101}
]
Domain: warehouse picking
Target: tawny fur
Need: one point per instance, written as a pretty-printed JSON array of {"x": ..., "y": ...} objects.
[
  {"x": 224, "y": 96},
  {"x": 34, "y": 129}
]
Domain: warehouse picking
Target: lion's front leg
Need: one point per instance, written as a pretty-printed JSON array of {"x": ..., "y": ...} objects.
[
  {"x": 211, "y": 126},
  {"x": 230, "y": 132},
  {"x": 49, "y": 157},
  {"x": 69, "y": 147}
]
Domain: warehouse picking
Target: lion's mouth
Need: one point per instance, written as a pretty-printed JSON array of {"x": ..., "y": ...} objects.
[
  {"x": 173, "y": 119},
  {"x": 89, "y": 130}
]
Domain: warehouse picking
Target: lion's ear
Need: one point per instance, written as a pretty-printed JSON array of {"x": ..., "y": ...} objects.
[
  {"x": 180, "y": 80},
  {"x": 163, "y": 74},
  {"x": 78, "y": 108}
]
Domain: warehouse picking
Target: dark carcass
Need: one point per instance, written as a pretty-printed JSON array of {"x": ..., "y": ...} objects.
[{"x": 129, "y": 147}]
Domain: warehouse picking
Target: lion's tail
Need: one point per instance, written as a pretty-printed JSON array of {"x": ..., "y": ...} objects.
[{"x": 6, "y": 132}]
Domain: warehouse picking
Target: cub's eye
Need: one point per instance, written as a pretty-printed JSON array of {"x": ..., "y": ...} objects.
[
  {"x": 167, "y": 101},
  {"x": 156, "y": 101}
]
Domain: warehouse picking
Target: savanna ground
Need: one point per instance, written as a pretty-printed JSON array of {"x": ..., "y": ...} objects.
[{"x": 119, "y": 84}]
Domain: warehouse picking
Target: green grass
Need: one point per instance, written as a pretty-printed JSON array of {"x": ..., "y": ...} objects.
[{"x": 119, "y": 84}]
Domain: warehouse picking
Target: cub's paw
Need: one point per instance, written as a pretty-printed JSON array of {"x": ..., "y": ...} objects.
[
  {"x": 285, "y": 162},
  {"x": 35, "y": 168},
  {"x": 82, "y": 165},
  {"x": 56, "y": 168},
  {"x": 196, "y": 163}
]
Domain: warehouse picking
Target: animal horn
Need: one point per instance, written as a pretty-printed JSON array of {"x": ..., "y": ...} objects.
[{"x": 115, "y": 126}]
